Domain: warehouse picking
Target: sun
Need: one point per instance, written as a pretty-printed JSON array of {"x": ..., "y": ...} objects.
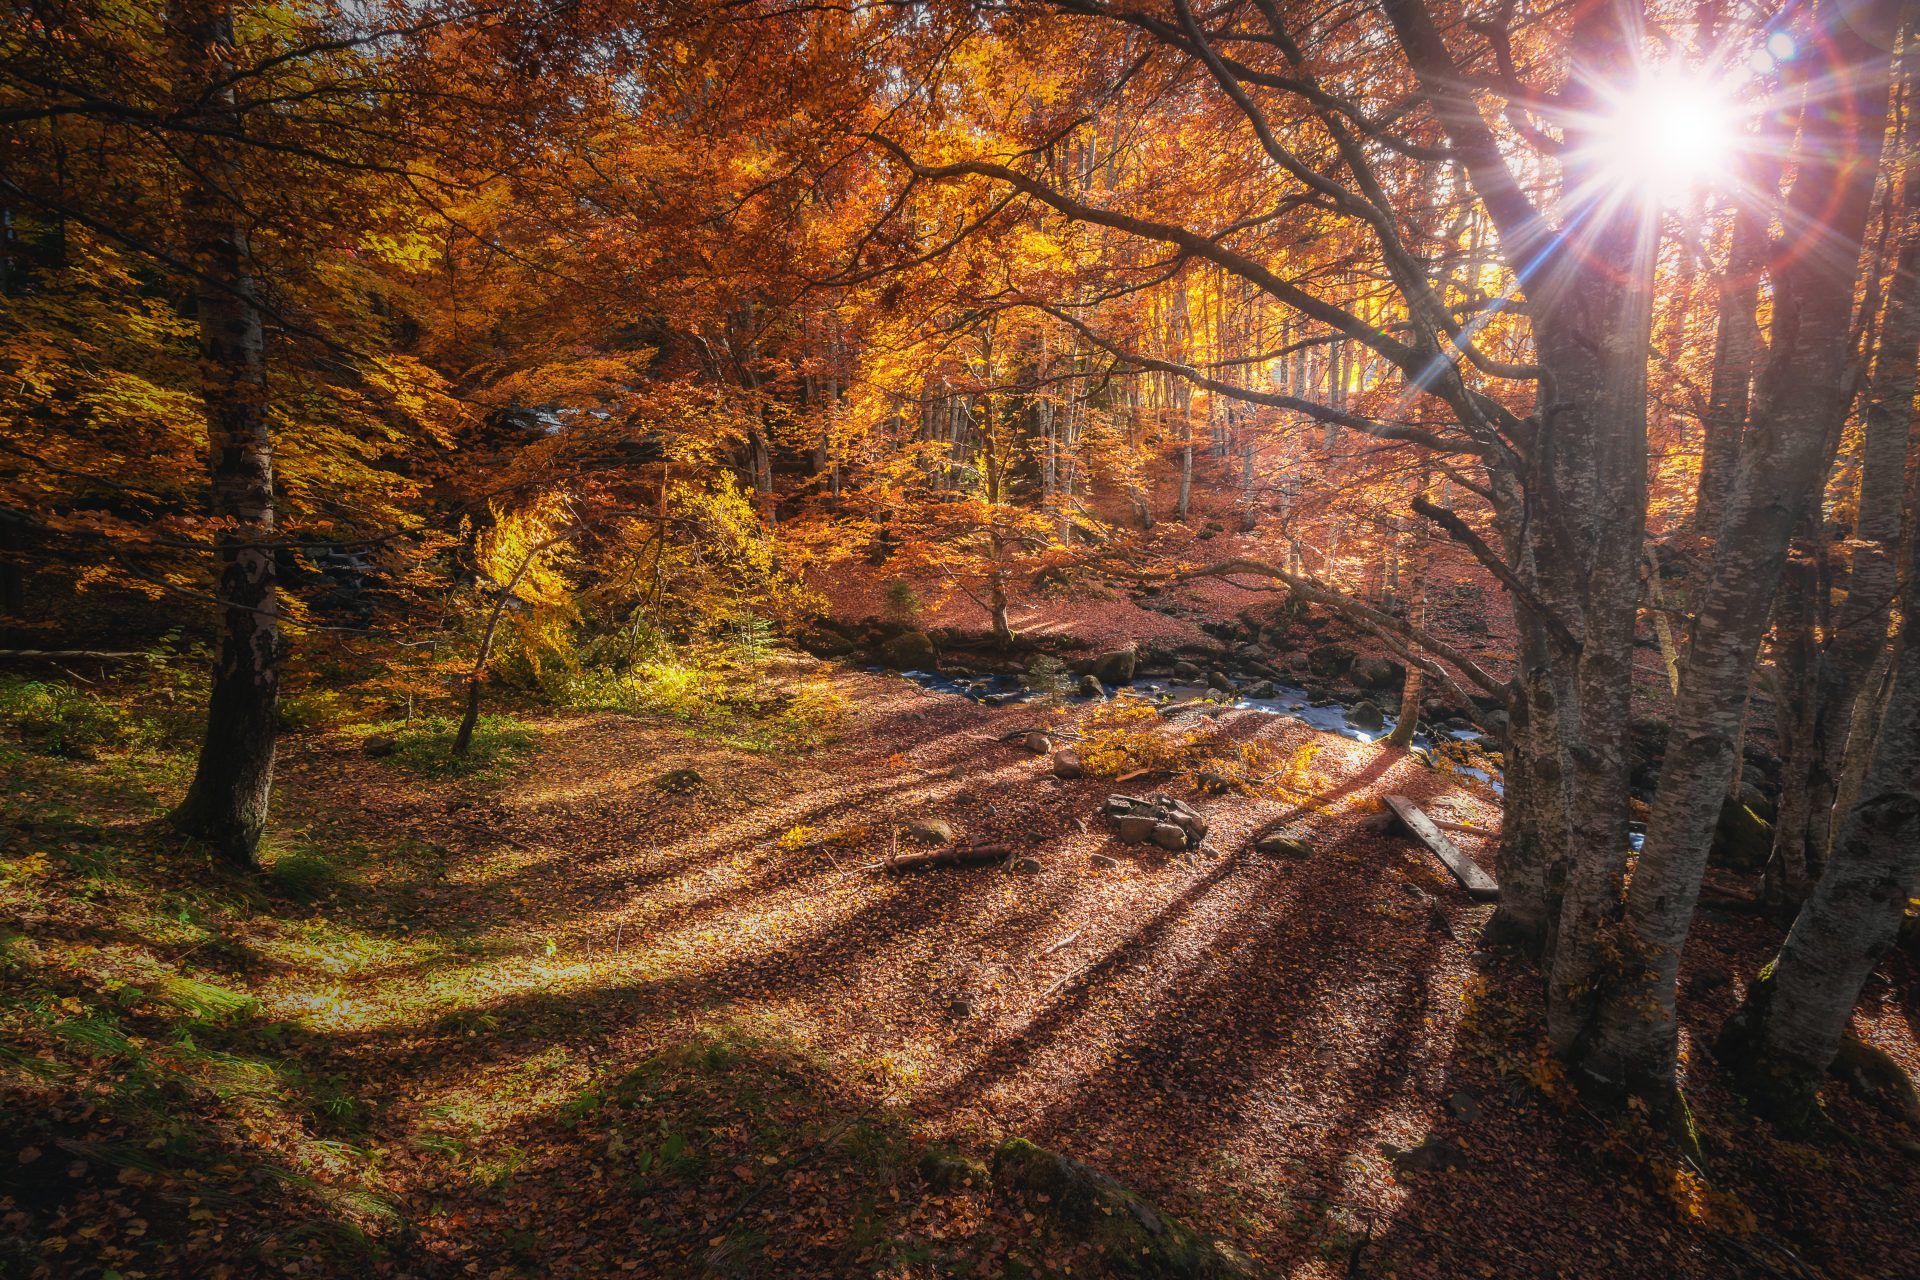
[{"x": 1669, "y": 134}]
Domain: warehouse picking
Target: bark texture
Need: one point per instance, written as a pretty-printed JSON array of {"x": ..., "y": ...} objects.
[
  {"x": 1785, "y": 1036},
  {"x": 226, "y": 805},
  {"x": 1632, "y": 1041}
]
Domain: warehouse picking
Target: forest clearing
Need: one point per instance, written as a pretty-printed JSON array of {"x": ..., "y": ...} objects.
[{"x": 925, "y": 638}]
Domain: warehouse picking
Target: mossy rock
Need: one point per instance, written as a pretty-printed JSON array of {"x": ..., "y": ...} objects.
[
  {"x": 911, "y": 651},
  {"x": 946, "y": 1170},
  {"x": 1874, "y": 1075},
  {"x": 1134, "y": 1238},
  {"x": 1742, "y": 839},
  {"x": 1114, "y": 667},
  {"x": 1329, "y": 660}
]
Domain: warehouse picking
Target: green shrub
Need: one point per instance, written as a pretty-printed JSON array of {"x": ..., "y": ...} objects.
[
  {"x": 59, "y": 720},
  {"x": 901, "y": 599},
  {"x": 311, "y": 710},
  {"x": 712, "y": 689}
]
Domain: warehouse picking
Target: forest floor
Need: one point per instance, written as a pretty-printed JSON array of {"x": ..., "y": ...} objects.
[{"x": 555, "y": 1019}]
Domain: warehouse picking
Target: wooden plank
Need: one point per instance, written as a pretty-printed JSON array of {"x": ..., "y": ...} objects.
[{"x": 1478, "y": 884}]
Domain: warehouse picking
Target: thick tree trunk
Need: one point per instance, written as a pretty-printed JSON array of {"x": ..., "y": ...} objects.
[
  {"x": 1632, "y": 1041},
  {"x": 226, "y": 804},
  {"x": 1785, "y": 1036},
  {"x": 1533, "y": 833},
  {"x": 1821, "y": 685}
]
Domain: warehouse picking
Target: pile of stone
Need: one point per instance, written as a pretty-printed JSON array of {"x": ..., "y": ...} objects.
[{"x": 1158, "y": 819}]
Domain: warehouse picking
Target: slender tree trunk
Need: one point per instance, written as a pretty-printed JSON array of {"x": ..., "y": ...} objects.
[
  {"x": 1736, "y": 345},
  {"x": 476, "y": 679},
  {"x": 1633, "y": 1040},
  {"x": 226, "y": 804},
  {"x": 1409, "y": 720}
]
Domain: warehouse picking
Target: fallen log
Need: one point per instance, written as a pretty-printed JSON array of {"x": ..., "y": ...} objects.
[{"x": 977, "y": 855}]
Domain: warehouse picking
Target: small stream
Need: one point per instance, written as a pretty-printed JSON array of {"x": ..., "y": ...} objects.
[{"x": 1329, "y": 715}]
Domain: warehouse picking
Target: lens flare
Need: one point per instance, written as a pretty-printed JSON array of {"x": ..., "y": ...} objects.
[{"x": 1668, "y": 135}]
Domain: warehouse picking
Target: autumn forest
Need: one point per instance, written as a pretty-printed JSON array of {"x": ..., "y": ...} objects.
[{"x": 924, "y": 638}]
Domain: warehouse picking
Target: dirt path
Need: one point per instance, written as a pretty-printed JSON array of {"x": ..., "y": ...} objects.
[{"x": 1246, "y": 1039}]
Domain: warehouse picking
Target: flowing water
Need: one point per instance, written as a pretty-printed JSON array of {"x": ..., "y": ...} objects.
[{"x": 1329, "y": 715}]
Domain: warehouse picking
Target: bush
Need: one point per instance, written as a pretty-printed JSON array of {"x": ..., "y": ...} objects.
[
  {"x": 715, "y": 690},
  {"x": 1126, "y": 735},
  {"x": 902, "y": 601},
  {"x": 59, "y": 720},
  {"x": 311, "y": 711}
]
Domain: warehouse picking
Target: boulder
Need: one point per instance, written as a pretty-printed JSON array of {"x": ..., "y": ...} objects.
[
  {"x": 1874, "y": 1075},
  {"x": 823, "y": 643},
  {"x": 1329, "y": 660},
  {"x": 1378, "y": 673},
  {"x": 1027, "y": 866},
  {"x": 380, "y": 745},
  {"x": 1367, "y": 715},
  {"x": 1115, "y": 667},
  {"x": 1066, "y": 764},
  {"x": 930, "y": 830},
  {"x": 1090, "y": 687},
  {"x": 1260, "y": 689},
  {"x": 946, "y": 1170},
  {"x": 1282, "y": 844},
  {"x": 910, "y": 651},
  {"x": 1125, "y": 1234},
  {"x": 1185, "y": 671},
  {"x": 1037, "y": 742},
  {"x": 1138, "y": 820}
]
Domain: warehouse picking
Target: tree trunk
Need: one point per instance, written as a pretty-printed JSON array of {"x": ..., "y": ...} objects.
[
  {"x": 1785, "y": 1036},
  {"x": 1736, "y": 346},
  {"x": 1418, "y": 554},
  {"x": 476, "y": 679},
  {"x": 1821, "y": 707},
  {"x": 1633, "y": 1039},
  {"x": 226, "y": 804}
]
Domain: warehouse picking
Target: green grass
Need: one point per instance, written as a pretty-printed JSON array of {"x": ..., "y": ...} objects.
[
  {"x": 425, "y": 746},
  {"x": 57, "y": 719},
  {"x": 139, "y": 1062},
  {"x": 717, "y": 692}
]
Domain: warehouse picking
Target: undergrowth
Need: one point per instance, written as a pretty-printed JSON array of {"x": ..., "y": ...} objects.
[
  {"x": 169, "y": 1113},
  {"x": 719, "y": 691},
  {"x": 425, "y": 746}
]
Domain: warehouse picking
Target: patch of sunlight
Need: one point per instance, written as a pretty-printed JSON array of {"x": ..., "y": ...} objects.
[
  {"x": 500, "y": 862},
  {"x": 453, "y": 990},
  {"x": 328, "y": 1009},
  {"x": 342, "y": 950},
  {"x": 698, "y": 947}
]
